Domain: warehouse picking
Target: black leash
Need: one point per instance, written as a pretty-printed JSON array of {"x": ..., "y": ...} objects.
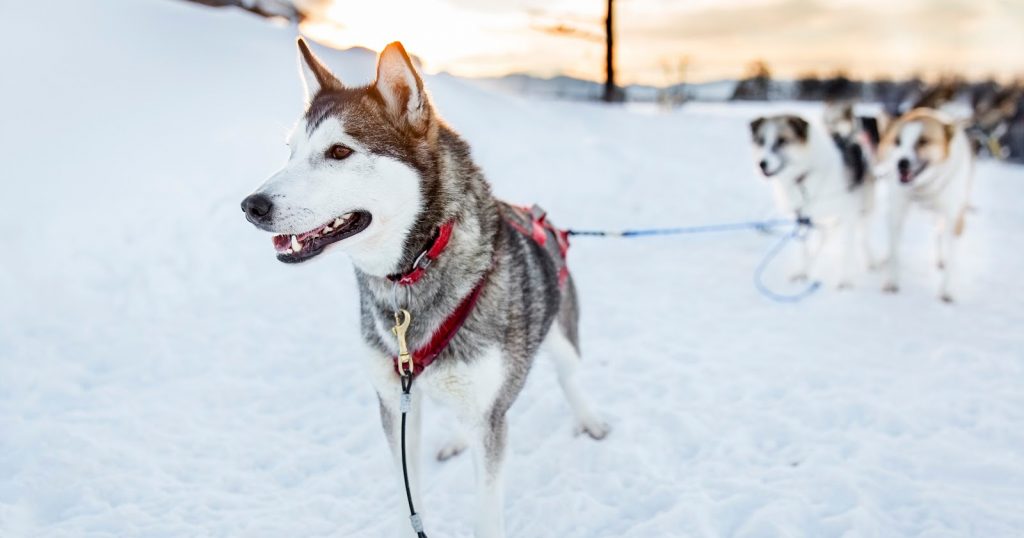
[{"x": 405, "y": 404}]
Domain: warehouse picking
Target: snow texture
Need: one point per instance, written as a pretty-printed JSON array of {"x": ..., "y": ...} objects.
[{"x": 161, "y": 374}]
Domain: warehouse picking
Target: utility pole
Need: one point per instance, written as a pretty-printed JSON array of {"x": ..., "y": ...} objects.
[{"x": 611, "y": 93}]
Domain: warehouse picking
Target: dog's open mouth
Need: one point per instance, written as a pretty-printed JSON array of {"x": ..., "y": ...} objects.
[
  {"x": 301, "y": 247},
  {"x": 908, "y": 174}
]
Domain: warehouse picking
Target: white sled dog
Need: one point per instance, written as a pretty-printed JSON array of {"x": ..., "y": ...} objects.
[
  {"x": 930, "y": 157},
  {"x": 476, "y": 286},
  {"x": 813, "y": 177}
]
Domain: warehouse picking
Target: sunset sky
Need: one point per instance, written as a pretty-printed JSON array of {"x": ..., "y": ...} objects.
[{"x": 719, "y": 37}]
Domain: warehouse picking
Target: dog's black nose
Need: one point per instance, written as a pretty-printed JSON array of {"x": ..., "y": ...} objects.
[
  {"x": 257, "y": 206},
  {"x": 764, "y": 165},
  {"x": 903, "y": 165}
]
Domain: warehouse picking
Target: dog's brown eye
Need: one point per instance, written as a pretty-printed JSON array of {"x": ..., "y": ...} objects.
[
  {"x": 922, "y": 142},
  {"x": 339, "y": 152}
]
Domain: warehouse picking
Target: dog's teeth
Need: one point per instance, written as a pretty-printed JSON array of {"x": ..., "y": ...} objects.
[
  {"x": 296, "y": 245},
  {"x": 339, "y": 221},
  {"x": 327, "y": 229}
]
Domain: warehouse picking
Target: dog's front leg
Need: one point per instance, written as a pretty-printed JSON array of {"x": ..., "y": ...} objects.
[
  {"x": 897, "y": 214},
  {"x": 391, "y": 420},
  {"x": 487, "y": 439},
  {"x": 848, "y": 230},
  {"x": 940, "y": 240},
  {"x": 864, "y": 228},
  {"x": 947, "y": 244},
  {"x": 802, "y": 263}
]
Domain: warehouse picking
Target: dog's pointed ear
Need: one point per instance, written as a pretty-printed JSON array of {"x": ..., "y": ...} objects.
[
  {"x": 950, "y": 130},
  {"x": 315, "y": 74},
  {"x": 800, "y": 127},
  {"x": 402, "y": 88},
  {"x": 755, "y": 126}
]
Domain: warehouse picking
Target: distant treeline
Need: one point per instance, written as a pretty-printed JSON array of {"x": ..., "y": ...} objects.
[{"x": 997, "y": 109}]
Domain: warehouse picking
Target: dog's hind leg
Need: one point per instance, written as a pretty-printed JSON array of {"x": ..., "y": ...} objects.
[{"x": 562, "y": 345}]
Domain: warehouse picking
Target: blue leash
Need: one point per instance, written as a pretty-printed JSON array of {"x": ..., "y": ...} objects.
[
  {"x": 799, "y": 232},
  {"x": 760, "y": 225},
  {"x": 800, "y": 227}
]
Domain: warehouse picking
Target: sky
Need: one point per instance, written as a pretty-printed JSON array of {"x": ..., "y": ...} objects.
[{"x": 668, "y": 41}]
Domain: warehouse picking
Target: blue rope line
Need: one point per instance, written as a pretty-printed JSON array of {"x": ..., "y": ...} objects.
[
  {"x": 759, "y": 272},
  {"x": 761, "y": 225},
  {"x": 800, "y": 226}
]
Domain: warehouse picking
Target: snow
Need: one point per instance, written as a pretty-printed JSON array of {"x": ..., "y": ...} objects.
[{"x": 162, "y": 375}]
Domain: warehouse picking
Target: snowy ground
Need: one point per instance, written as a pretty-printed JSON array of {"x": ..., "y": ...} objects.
[{"x": 162, "y": 375}]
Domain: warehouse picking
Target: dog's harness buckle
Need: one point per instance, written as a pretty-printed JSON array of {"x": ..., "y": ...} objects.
[
  {"x": 422, "y": 261},
  {"x": 425, "y": 258},
  {"x": 402, "y": 320}
]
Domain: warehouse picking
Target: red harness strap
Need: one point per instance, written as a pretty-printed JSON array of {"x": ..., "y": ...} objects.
[
  {"x": 424, "y": 356},
  {"x": 533, "y": 223}
]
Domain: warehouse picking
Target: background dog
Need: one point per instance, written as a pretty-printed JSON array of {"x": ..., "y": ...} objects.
[
  {"x": 374, "y": 172},
  {"x": 930, "y": 157},
  {"x": 811, "y": 178}
]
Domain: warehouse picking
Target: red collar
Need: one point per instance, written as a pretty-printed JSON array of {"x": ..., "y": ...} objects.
[
  {"x": 424, "y": 356},
  {"x": 419, "y": 266}
]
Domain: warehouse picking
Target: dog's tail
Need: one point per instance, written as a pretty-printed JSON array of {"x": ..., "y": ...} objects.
[{"x": 568, "y": 316}]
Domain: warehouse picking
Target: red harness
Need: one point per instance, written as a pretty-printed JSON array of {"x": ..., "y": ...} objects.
[
  {"x": 419, "y": 267},
  {"x": 533, "y": 223},
  {"x": 522, "y": 219}
]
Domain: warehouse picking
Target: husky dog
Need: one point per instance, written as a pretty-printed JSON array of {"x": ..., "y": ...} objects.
[
  {"x": 856, "y": 135},
  {"x": 994, "y": 112},
  {"x": 931, "y": 156},
  {"x": 374, "y": 172},
  {"x": 811, "y": 178}
]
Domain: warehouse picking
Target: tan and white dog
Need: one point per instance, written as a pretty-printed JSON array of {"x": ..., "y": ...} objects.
[{"x": 930, "y": 157}]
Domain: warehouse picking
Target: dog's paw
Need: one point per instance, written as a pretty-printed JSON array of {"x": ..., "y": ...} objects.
[
  {"x": 940, "y": 264},
  {"x": 451, "y": 450},
  {"x": 891, "y": 287},
  {"x": 798, "y": 276},
  {"x": 595, "y": 429},
  {"x": 946, "y": 298},
  {"x": 844, "y": 285}
]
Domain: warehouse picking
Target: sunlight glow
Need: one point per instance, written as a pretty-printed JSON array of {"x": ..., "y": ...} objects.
[
  {"x": 441, "y": 34},
  {"x": 659, "y": 40}
]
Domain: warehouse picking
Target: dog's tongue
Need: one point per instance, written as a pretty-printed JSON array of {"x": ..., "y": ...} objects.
[
  {"x": 905, "y": 177},
  {"x": 282, "y": 242}
]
